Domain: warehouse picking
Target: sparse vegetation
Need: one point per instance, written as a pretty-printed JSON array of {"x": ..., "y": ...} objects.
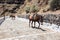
[
  {"x": 27, "y": 9},
  {"x": 34, "y": 8}
]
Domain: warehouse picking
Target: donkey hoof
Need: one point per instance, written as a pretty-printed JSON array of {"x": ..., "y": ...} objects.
[{"x": 33, "y": 27}]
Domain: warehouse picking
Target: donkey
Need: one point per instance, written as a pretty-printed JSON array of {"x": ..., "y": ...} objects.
[
  {"x": 34, "y": 17},
  {"x": 12, "y": 16}
]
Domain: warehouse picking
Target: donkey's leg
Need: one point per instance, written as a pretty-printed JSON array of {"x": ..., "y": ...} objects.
[
  {"x": 11, "y": 17},
  {"x": 14, "y": 17},
  {"x": 29, "y": 23},
  {"x": 41, "y": 21},
  {"x": 32, "y": 24},
  {"x": 39, "y": 24}
]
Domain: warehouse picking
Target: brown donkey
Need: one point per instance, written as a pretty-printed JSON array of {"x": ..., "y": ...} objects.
[
  {"x": 12, "y": 16},
  {"x": 35, "y": 18}
]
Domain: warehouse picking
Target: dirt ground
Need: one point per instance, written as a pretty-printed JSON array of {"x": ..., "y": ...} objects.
[{"x": 18, "y": 29}]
